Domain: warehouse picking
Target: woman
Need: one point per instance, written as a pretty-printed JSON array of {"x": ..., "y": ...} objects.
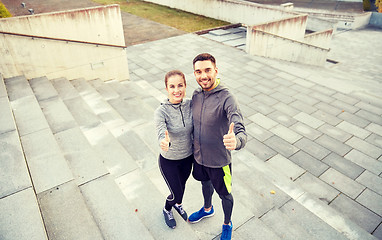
[{"x": 173, "y": 120}]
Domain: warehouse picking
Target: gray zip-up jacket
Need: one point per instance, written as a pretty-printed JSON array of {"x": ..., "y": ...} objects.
[
  {"x": 213, "y": 111},
  {"x": 177, "y": 119}
]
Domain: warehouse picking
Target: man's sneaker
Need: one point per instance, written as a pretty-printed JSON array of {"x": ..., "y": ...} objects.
[
  {"x": 169, "y": 218},
  {"x": 180, "y": 210},
  {"x": 226, "y": 232},
  {"x": 199, "y": 215}
]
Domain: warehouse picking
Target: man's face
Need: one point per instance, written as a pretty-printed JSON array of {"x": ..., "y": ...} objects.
[{"x": 205, "y": 73}]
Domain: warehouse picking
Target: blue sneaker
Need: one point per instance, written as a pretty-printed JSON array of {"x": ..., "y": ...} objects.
[
  {"x": 199, "y": 215},
  {"x": 226, "y": 232}
]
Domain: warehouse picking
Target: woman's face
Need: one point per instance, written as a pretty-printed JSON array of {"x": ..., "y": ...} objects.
[{"x": 176, "y": 89}]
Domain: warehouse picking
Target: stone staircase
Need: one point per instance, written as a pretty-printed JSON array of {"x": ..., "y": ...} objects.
[{"x": 79, "y": 161}]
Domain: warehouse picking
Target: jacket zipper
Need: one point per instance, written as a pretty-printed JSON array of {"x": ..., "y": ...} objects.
[{"x": 181, "y": 113}]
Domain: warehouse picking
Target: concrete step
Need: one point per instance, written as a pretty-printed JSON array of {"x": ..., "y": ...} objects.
[
  {"x": 116, "y": 158},
  {"x": 318, "y": 208},
  {"x": 20, "y": 217},
  {"x": 283, "y": 226},
  {"x": 7, "y": 122},
  {"x": 66, "y": 215},
  {"x": 308, "y": 221},
  {"x": 85, "y": 163},
  {"x": 106, "y": 91},
  {"x": 141, "y": 193},
  {"x": 25, "y": 107},
  {"x": 115, "y": 217},
  {"x": 14, "y": 175},
  {"x": 43, "y": 88}
]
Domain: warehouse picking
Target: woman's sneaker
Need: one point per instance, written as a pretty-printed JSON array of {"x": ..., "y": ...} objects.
[
  {"x": 169, "y": 218},
  {"x": 199, "y": 215},
  {"x": 180, "y": 210}
]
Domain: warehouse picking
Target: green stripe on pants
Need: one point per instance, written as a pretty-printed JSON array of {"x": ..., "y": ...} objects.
[{"x": 227, "y": 178}]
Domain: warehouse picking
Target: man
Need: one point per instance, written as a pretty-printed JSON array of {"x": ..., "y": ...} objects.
[{"x": 218, "y": 129}]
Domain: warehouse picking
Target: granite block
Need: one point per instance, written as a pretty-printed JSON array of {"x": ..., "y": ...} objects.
[
  {"x": 258, "y": 132},
  {"x": 334, "y": 132},
  {"x": 333, "y": 144},
  {"x": 282, "y": 118},
  {"x": 287, "y": 109},
  {"x": 343, "y": 165},
  {"x": 375, "y": 139},
  {"x": 303, "y": 107},
  {"x": 46, "y": 163},
  {"x": 17, "y": 88},
  {"x": 359, "y": 214},
  {"x": 306, "y": 131},
  {"x": 346, "y": 98},
  {"x": 20, "y": 217},
  {"x": 369, "y": 116},
  {"x": 263, "y": 121},
  {"x": 305, "y": 98},
  {"x": 316, "y": 227},
  {"x": 309, "y": 120},
  {"x": 354, "y": 119},
  {"x": 309, "y": 163},
  {"x": 372, "y": 201},
  {"x": 28, "y": 115},
  {"x": 342, "y": 183},
  {"x": 317, "y": 187},
  {"x": 365, "y": 147},
  {"x": 282, "y": 97},
  {"x": 345, "y": 106},
  {"x": 369, "y": 107},
  {"x": 66, "y": 215},
  {"x": 312, "y": 148},
  {"x": 361, "y": 159},
  {"x": 281, "y": 146},
  {"x": 328, "y": 108},
  {"x": 286, "y": 167},
  {"x": 374, "y": 128},
  {"x": 371, "y": 181},
  {"x": 42, "y": 88},
  {"x": 285, "y": 133},
  {"x": 260, "y": 150},
  {"x": 14, "y": 175},
  {"x": 7, "y": 122},
  {"x": 326, "y": 117}
]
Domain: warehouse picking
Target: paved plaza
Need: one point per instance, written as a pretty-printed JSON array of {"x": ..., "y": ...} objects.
[{"x": 312, "y": 167}]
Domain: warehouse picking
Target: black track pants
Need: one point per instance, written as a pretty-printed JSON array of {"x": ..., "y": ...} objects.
[{"x": 175, "y": 173}]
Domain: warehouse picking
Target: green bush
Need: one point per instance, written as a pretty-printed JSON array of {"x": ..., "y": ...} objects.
[
  {"x": 4, "y": 11},
  {"x": 366, "y": 5}
]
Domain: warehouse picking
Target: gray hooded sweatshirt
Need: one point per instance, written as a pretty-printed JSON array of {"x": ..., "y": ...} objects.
[
  {"x": 213, "y": 111},
  {"x": 177, "y": 119}
]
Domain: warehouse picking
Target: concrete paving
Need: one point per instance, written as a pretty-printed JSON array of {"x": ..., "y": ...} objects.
[{"x": 315, "y": 138}]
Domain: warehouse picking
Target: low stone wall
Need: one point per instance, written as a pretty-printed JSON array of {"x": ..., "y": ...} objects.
[
  {"x": 285, "y": 49},
  {"x": 71, "y": 44},
  {"x": 232, "y": 11},
  {"x": 376, "y": 20}
]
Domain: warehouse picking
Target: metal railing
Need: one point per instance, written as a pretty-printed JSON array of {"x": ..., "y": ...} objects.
[{"x": 62, "y": 39}]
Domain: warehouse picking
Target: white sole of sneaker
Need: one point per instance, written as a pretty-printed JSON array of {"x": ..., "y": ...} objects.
[{"x": 202, "y": 218}]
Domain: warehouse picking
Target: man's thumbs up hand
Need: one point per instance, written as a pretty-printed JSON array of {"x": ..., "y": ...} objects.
[
  {"x": 229, "y": 139},
  {"x": 165, "y": 143}
]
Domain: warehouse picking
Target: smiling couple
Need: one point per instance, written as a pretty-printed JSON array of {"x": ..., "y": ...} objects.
[{"x": 199, "y": 135}]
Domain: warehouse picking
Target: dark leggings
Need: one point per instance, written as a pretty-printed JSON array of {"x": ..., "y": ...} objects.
[
  {"x": 175, "y": 173},
  {"x": 227, "y": 200}
]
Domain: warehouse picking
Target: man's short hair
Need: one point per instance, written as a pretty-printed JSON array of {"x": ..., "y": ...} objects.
[{"x": 204, "y": 57}]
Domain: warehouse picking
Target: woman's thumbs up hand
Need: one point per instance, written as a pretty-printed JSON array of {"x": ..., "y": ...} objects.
[{"x": 165, "y": 143}]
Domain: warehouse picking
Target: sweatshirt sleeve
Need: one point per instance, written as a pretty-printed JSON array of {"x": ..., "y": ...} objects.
[
  {"x": 160, "y": 123},
  {"x": 234, "y": 115}
]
